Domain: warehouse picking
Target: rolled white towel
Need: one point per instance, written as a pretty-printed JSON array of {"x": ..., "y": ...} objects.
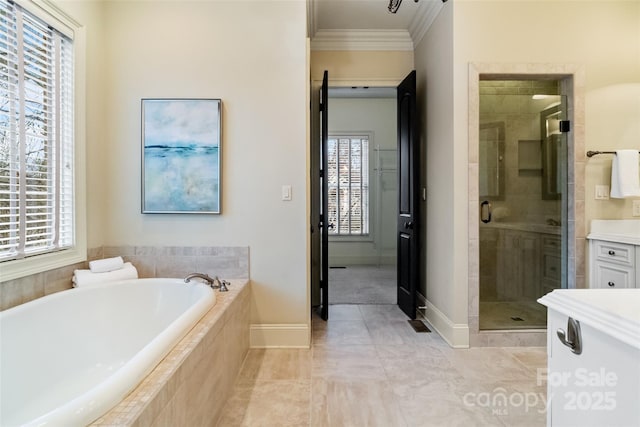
[
  {"x": 106, "y": 265},
  {"x": 87, "y": 277}
]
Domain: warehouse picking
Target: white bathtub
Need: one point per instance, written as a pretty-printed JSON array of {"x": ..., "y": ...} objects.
[{"x": 67, "y": 358}]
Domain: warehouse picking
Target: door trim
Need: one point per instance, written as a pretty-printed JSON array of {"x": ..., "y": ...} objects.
[
  {"x": 314, "y": 136},
  {"x": 573, "y": 82}
]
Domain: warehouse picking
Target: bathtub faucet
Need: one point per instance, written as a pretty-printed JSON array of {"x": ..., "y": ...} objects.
[{"x": 215, "y": 283}]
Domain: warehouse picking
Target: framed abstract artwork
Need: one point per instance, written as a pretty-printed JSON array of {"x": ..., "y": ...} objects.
[{"x": 181, "y": 156}]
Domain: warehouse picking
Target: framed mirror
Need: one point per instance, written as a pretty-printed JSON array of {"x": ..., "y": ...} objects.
[
  {"x": 551, "y": 151},
  {"x": 491, "y": 167}
]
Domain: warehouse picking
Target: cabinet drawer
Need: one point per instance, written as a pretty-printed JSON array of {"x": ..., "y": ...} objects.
[
  {"x": 551, "y": 243},
  {"x": 619, "y": 253},
  {"x": 613, "y": 276},
  {"x": 551, "y": 267}
]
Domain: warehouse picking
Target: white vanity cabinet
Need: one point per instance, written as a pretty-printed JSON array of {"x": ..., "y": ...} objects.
[
  {"x": 613, "y": 264},
  {"x": 614, "y": 254},
  {"x": 593, "y": 350}
]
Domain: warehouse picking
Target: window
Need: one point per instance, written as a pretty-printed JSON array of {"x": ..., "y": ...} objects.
[
  {"x": 36, "y": 135},
  {"x": 348, "y": 185}
]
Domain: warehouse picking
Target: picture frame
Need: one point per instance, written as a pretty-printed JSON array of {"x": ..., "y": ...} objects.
[{"x": 181, "y": 155}]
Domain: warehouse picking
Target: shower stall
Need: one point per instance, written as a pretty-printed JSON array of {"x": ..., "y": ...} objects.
[{"x": 523, "y": 200}]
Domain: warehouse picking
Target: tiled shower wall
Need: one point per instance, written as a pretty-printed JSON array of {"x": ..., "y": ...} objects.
[
  {"x": 510, "y": 102},
  {"x": 226, "y": 262}
]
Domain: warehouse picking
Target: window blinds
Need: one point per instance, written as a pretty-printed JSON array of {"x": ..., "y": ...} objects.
[
  {"x": 348, "y": 185},
  {"x": 36, "y": 136}
]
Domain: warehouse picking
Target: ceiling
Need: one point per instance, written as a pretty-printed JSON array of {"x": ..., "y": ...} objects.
[{"x": 335, "y": 20}]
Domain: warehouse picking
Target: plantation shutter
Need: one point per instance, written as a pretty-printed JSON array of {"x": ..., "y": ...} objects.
[
  {"x": 348, "y": 185},
  {"x": 36, "y": 135}
]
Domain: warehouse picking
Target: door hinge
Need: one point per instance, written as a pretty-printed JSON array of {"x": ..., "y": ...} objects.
[
  {"x": 321, "y": 173},
  {"x": 321, "y": 107},
  {"x": 565, "y": 126}
]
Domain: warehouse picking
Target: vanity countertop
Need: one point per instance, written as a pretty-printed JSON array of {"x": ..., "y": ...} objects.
[
  {"x": 524, "y": 226},
  {"x": 616, "y": 230}
]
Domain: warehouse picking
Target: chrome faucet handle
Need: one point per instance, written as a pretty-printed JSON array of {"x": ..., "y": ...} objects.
[
  {"x": 216, "y": 283},
  {"x": 223, "y": 286}
]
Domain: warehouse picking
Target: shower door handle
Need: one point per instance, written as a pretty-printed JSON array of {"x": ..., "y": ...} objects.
[{"x": 485, "y": 212}]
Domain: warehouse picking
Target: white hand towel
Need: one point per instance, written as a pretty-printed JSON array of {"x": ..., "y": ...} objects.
[
  {"x": 87, "y": 277},
  {"x": 106, "y": 265},
  {"x": 625, "y": 174}
]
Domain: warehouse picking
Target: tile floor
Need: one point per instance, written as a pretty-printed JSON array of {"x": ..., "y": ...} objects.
[
  {"x": 498, "y": 315},
  {"x": 367, "y": 367},
  {"x": 363, "y": 284}
]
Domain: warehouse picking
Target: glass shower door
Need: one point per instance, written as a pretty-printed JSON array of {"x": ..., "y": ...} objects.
[{"x": 523, "y": 209}]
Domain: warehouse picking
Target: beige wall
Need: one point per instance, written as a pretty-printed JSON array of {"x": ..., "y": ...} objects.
[
  {"x": 253, "y": 56},
  {"x": 601, "y": 36},
  {"x": 444, "y": 288},
  {"x": 381, "y": 68}
]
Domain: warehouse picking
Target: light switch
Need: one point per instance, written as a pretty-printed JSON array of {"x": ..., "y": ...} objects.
[
  {"x": 636, "y": 208},
  {"x": 286, "y": 192}
]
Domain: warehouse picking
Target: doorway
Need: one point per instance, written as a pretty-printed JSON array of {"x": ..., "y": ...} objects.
[
  {"x": 362, "y": 195},
  {"x": 356, "y": 227},
  {"x": 571, "y": 80},
  {"x": 522, "y": 181}
]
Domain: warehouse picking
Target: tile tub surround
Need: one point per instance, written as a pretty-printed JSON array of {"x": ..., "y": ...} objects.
[
  {"x": 151, "y": 261},
  {"x": 178, "y": 261},
  {"x": 190, "y": 385}
]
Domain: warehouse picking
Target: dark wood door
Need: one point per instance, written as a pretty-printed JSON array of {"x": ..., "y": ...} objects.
[
  {"x": 408, "y": 196},
  {"x": 323, "y": 226}
]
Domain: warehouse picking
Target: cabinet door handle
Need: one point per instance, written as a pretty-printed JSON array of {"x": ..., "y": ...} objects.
[
  {"x": 611, "y": 284},
  {"x": 572, "y": 338},
  {"x": 612, "y": 253}
]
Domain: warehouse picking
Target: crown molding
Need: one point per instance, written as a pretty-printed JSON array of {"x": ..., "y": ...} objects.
[
  {"x": 422, "y": 20},
  {"x": 362, "y": 40}
]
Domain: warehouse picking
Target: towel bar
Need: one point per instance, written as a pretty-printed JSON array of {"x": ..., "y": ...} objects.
[{"x": 595, "y": 153}]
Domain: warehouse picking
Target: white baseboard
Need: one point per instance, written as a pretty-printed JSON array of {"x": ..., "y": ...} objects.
[
  {"x": 286, "y": 335},
  {"x": 456, "y": 335}
]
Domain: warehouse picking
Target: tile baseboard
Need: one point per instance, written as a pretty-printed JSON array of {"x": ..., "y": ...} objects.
[{"x": 279, "y": 335}]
